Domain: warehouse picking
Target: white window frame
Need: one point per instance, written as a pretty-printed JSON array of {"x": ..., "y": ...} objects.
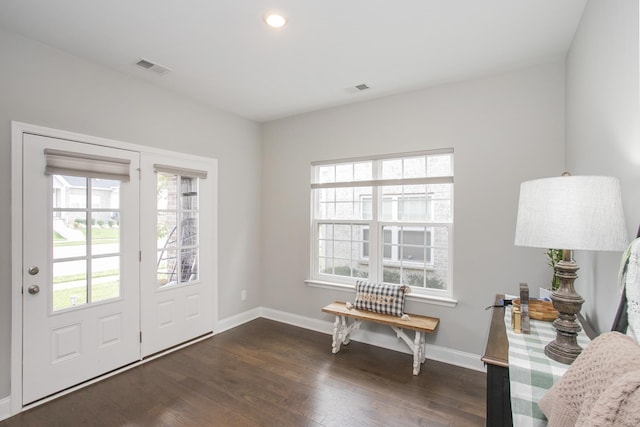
[{"x": 375, "y": 225}]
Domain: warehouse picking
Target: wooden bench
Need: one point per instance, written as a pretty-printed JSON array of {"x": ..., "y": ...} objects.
[{"x": 419, "y": 324}]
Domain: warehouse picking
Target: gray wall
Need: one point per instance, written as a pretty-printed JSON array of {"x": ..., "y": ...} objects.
[
  {"x": 504, "y": 129},
  {"x": 44, "y": 86},
  {"x": 603, "y": 131}
]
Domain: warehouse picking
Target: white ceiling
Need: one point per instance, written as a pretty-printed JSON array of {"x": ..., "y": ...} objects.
[{"x": 221, "y": 52}]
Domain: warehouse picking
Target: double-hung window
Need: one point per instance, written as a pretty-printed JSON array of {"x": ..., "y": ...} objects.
[{"x": 385, "y": 219}]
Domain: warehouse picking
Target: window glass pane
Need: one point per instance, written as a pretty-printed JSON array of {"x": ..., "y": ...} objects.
[
  {"x": 188, "y": 265},
  {"x": 365, "y": 242},
  {"x": 325, "y": 231},
  {"x": 440, "y": 258},
  {"x": 105, "y": 193},
  {"x": 343, "y": 203},
  {"x": 441, "y": 195},
  {"x": 414, "y": 167},
  {"x": 325, "y": 265},
  {"x": 167, "y": 266},
  {"x": 344, "y": 172},
  {"x": 342, "y": 268},
  {"x": 389, "y": 211},
  {"x": 436, "y": 280},
  {"x": 325, "y": 248},
  {"x": 362, "y": 171},
  {"x": 344, "y": 194},
  {"x": 167, "y": 230},
  {"x": 340, "y": 249},
  {"x": 365, "y": 206},
  {"x": 167, "y": 191},
  {"x": 391, "y": 275},
  {"x": 69, "y": 284},
  {"x": 442, "y": 210},
  {"x": 189, "y": 229},
  {"x": 69, "y": 192},
  {"x": 413, "y": 237},
  {"x": 327, "y": 194},
  {"x": 189, "y": 193},
  {"x": 105, "y": 278},
  {"x": 326, "y": 174},
  {"x": 344, "y": 210},
  {"x": 361, "y": 270},
  {"x": 415, "y": 278},
  {"x": 440, "y": 165},
  {"x": 105, "y": 234},
  {"x": 412, "y": 253},
  {"x": 69, "y": 234},
  {"x": 392, "y": 169}
]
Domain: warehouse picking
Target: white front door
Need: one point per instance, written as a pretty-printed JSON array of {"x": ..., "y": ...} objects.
[
  {"x": 80, "y": 263},
  {"x": 178, "y": 250}
]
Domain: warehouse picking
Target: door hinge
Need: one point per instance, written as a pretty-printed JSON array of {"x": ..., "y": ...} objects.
[
  {"x": 140, "y": 256},
  {"x": 140, "y": 336}
]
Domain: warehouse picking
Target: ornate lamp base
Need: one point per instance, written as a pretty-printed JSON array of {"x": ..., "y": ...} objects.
[{"x": 567, "y": 302}]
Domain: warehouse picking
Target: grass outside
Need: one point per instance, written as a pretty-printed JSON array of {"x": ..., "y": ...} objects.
[
  {"x": 82, "y": 276},
  {"x": 99, "y": 236},
  {"x": 100, "y": 292}
]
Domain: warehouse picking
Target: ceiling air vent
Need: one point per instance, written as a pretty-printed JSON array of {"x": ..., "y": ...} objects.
[
  {"x": 152, "y": 66},
  {"x": 357, "y": 88}
]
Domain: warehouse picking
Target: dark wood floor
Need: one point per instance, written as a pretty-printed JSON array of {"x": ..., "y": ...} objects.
[{"x": 266, "y": 373}]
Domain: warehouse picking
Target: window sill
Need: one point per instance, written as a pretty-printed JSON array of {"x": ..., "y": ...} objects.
[{"x": 421, "y": 298}]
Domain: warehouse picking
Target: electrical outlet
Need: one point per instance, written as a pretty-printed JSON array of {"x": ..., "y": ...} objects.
[{"x": 243, "y": 295}]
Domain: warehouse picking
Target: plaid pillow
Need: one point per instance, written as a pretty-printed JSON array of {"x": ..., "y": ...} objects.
[{"x": 380, "y": 298}]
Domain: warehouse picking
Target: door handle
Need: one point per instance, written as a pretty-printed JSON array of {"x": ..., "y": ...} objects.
[
  {"x": 34, "y": 289},
  {"x": 33, "y": 270}
]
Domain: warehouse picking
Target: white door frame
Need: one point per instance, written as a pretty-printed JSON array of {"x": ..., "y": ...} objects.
[{"x": 17, "y": 130}]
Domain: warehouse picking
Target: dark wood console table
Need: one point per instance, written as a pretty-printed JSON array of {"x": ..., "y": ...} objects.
[{"x": 496, "y": 358}]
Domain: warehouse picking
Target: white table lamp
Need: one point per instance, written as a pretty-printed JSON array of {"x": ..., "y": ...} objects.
[{"x": 570, "y": 213}]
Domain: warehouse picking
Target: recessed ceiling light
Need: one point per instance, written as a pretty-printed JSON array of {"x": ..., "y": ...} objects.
[{"x": 275, "y": 20}]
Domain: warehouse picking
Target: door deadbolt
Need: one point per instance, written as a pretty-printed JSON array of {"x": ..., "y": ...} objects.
[
  {"x": 34, "y": 289},
  {"x": 34, "y": 270}
]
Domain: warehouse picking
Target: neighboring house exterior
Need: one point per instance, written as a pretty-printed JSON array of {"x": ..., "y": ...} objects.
[{"x": 70, "y": 192}]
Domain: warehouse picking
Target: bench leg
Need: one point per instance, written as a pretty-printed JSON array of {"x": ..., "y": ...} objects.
[
  {"x": 416, "y": 346},
  {"x": 337, "y": 328},
  {"x": 418, "y": 352},
  {"x": 341, "y": 331}
]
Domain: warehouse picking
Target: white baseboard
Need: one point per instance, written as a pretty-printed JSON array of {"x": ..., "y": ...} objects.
[
  {"x": 379, "y": 339},
  {"x": 236, "y": 320},
  {"x": 5, "y": 408}
]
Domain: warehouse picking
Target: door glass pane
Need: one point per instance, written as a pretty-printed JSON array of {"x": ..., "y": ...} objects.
[
  {"x": 167, "y": 263},
  {"x": 189, "y": 193},
  {"x": 105, "y": 234},
  {"x": 69, "y": 284},
  {"x": 177, "y": 229},
  {"x": 167, "y": 239},
  {"x": 166, "y": 191},
  {"x": 69, "y": 192},
  {"x": 189, "y": 265},
  {"x": 69, "y": 234},
  {"x": 86, "y": 227},
  {"x": 105, "y": 194},
  {"x": 105, "y": 278}
]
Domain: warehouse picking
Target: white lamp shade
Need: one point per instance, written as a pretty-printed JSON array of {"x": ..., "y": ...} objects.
[{"x": 572, "y": 212}]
